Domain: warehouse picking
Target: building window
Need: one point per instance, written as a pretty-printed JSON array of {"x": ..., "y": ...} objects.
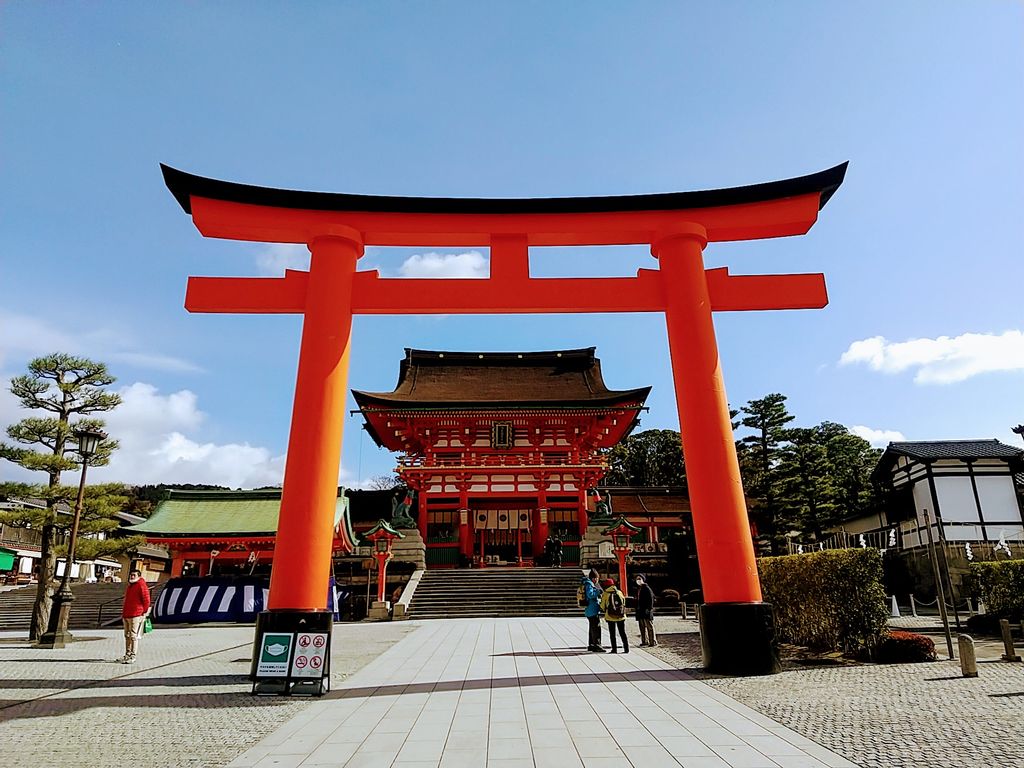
[{"x": 501, "y": 434}]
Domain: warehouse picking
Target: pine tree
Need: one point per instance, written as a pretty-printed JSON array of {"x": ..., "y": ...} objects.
[
  {"x": 806, "y": 481},
  {"x": 64, "y": 387},
  {"x": 651, "y": 458},
  {"x": 768, "y": 418},
  {"x": 851, "y": 460}
]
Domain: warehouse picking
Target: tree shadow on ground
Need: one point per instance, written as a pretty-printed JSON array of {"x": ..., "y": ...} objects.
[
  {"x": 123, "y": 682},
  {"x": 56, "y": 706},
  {"x": 553, "y": 652},
  {"x": 653, "y": 675}
]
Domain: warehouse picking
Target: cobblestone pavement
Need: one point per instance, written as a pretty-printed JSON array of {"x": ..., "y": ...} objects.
[
  {"x": 898, "y": 715},
  {"x": 186, "y": 703}
]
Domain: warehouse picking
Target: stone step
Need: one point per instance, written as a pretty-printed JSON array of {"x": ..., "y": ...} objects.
[{"x": 496, "y": 592}]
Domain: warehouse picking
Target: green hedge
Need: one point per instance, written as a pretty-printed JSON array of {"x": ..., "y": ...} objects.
[
  {"x": 1002, "y": 587},
  {"x": 830, "y": 600}
]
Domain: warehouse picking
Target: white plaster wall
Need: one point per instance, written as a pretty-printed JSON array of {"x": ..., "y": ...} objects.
[
  {"x": 956, "y": 499},
  {"x": 998, "y": 500}
]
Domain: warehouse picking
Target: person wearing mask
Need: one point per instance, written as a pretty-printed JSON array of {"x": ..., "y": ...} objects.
[
  {"x": 645, "y": 612},
  {"x": 134, "y": 611},
  {"x": 590, "y": 601},
  {"x": 613, "y": 606}
]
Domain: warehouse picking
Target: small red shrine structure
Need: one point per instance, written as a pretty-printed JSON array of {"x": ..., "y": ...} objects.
[{"x": 500, "y": 447}]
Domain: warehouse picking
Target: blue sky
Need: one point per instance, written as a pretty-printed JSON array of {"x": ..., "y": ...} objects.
[{"x": 920, "y": 247}]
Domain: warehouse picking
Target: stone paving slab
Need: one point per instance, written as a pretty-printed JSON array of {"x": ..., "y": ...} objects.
[
  {"x": 505, "y": 693},
  {"x": 882, "y": 715},
  {"x": 186, "y": 703}
]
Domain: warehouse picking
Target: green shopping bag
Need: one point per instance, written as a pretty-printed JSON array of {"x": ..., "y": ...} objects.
[{"x": 147, "y": 626}]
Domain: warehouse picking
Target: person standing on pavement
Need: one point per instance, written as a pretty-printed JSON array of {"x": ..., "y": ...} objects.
[
  {"x": 645, "y": 612},
  {"x": 592, "y": 610},
  {"x": 134, "y": 611},
  {"x": 613, "y": 606}
]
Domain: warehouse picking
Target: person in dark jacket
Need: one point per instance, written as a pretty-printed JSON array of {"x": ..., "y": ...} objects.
[
  {"x": 645, "y": 612},
  {"x": 592, "y": 592}
]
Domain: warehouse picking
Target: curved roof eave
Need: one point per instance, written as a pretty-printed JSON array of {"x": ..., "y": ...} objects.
[{"x": 185, "y": 185}]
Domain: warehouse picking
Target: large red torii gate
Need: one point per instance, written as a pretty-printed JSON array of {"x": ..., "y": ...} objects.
[{"x": 736, "y": 626}]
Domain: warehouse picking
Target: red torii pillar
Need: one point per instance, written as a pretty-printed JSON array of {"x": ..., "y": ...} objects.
[{"x": 736, "y": 626}]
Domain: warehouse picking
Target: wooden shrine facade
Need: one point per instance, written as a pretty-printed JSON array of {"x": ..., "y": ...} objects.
[{"x": 501, "y": 448}]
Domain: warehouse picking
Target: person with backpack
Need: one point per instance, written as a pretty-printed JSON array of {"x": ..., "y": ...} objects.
[
  {"x": 613, "y": 605},
  {"x": 588, "y": 596},
  {"x": 645, "y": 612}
]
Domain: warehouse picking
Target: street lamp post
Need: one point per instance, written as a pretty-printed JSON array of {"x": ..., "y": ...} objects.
[
  {"x": 57, "y": 634},
  {"x": 621, "y": 532}
]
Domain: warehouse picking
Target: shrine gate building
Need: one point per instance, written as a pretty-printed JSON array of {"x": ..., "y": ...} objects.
[{"x": 501, "y": 448}]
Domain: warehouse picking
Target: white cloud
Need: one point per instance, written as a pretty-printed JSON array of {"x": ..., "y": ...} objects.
[
  {"x": 158, "y": 440},
  {"x": 447, "y": 265},
  {"x": 27, "y": 336},
  {"x": 944, "y": 360},
  {"x": 274, "y": 258},
  {"x": 158, "y": 445},
  {"x": 879, "y": 438}
]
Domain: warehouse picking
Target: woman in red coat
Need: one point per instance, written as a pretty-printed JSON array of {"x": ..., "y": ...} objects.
[{"x": 134, "y": 612}]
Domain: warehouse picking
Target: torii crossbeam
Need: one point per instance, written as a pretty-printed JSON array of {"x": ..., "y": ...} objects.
[{"x": 736, "y": 626}]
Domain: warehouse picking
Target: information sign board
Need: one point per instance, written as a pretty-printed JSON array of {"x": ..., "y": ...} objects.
[
  {"x": 310, "y": 653},
  {"x": 275, "y": 649}
]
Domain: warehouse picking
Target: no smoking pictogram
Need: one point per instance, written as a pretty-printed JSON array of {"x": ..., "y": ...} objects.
[{"x": 301, "y": 662}]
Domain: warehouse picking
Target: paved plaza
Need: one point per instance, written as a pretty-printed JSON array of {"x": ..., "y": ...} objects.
[
  {"x": 521, "y": 693},
  {"x": 492, "y": 692}
]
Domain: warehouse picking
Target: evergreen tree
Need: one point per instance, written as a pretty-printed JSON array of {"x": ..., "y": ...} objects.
[
  {"x": 761, "y": 479},
  {"x": 851, "y": 460},
  {"x": 63, "y": 387},
  {"x": 651, "y": 458},
  {"x": 805, "y": 481}
]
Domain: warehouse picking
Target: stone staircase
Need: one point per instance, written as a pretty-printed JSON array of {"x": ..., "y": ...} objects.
[
  {"x": 95, "y": 606},
  {"x": 496, "y": 592}
]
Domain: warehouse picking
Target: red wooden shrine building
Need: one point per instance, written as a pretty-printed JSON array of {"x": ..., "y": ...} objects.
[{"x": 501, "y": 448}]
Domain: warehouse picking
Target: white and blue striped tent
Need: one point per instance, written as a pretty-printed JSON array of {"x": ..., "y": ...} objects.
[{"x": 195, "y": 600}]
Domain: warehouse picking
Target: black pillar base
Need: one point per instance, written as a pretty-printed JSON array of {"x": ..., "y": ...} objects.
[
  {"x": 738, "y": 639},
  {"x": 287, "y": 621}
]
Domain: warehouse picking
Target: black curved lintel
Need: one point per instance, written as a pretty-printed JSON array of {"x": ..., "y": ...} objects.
[{"x": 186, "y": 185}]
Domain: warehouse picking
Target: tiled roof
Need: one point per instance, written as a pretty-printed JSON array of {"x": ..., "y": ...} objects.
[
  {"x": 932, "y": 450},
  {"x": 647, "y": 501},
  {"x": 198, "y": 513},
  {"x": 480, "y": 379},
  {"x": 956, "y": 449}
]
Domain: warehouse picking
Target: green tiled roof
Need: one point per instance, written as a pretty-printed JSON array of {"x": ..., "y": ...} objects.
[{"x": 198, "y": 513}]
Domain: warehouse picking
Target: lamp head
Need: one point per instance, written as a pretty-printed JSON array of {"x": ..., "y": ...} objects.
[{"x": 88, "y": 440}]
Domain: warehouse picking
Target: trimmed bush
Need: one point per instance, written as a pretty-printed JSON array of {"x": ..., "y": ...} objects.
[
  {"x": 830, "y": 600},
  {"x": 1002, "y": 587},
  {"x": 983, "y": 624},
  {"x": 670, "y": 597},
  {"x": 905, "y": 648}
]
